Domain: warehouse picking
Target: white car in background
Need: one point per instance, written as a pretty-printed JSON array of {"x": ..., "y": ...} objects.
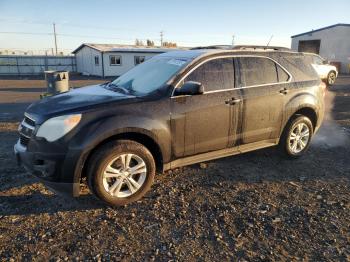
[{"x": 326, "y": 71}]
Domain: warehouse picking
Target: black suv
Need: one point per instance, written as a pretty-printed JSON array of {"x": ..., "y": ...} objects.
[{"x": 176, "y": 109}]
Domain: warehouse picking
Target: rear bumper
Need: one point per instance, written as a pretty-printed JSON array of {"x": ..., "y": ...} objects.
[{"x": 47, "y": 168}]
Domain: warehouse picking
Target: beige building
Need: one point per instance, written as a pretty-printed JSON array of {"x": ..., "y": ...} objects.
[
  {"x": 332, "y": 43},
  {"x": 112, "y": 60}
]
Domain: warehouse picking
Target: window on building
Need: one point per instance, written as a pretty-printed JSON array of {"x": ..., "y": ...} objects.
[
  {"x": 215, "y": 74},
  {"x": 97, "y": 60},
  {"x": 115, "y": 60},
  {"x": 139, "y": 59},
  {"x": 260, "y": 71}
]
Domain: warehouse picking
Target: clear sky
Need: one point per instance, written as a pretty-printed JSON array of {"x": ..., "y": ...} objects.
[{"x": 187, "y": 22}]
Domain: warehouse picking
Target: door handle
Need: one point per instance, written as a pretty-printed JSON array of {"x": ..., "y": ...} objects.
[
  {"x": 232, "y": 101},
  {"x": 284, "y": 91}
]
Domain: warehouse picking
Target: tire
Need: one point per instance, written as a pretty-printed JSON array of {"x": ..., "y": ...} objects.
[
  {"x": 290, "y": 144},
  {"x": 116, "y": 167},
  {"x": 331, "y": 78}
]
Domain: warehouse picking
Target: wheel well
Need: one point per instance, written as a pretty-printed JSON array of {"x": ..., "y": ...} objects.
[
  {"x": 145, "y": 140},
  {"x": 308, "y": 112}
]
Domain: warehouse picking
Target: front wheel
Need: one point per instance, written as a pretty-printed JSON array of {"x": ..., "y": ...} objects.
[
  {"x": 296, "y": 136},
  {"x": 121, "y": 172},
  {"x": 331, "y": 78}
]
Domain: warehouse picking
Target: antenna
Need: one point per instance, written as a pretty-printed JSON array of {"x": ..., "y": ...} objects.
[
  {"x": 268, "y": 43},
  {"x": 233, "y": 40}
]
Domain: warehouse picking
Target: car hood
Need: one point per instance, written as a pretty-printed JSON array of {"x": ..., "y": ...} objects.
[{"x": 76, "y": 100}]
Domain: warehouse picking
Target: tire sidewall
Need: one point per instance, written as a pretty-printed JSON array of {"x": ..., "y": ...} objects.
[
  {"x": 107, "y": 154},
  {"x": 293, "y": 123}
]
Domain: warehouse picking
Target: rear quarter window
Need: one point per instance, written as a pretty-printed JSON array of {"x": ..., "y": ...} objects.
[
  {"x": 260, "y": 71},
  {"x": 298, "y": 66}
]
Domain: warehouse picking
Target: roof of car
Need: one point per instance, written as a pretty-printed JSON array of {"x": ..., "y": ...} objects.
[{"x": 196, "y": 53}]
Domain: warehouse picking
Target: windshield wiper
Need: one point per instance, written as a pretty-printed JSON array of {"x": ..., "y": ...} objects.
[
  {"x": 114, "y": 87},
  {"x": 105, "y": 83}
]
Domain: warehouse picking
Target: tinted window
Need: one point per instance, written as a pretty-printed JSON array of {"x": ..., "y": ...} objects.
[
  {"x": 257, "y": 71},
  {"x": 214, "y": 75}
]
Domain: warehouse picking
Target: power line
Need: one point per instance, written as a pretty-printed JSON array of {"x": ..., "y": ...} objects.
[
  {"x": 25, "y": 33},
  {"x": 101, "y": 37},
  {"x": 71, "y": 35},
  {"x": 71, "y": 25}
]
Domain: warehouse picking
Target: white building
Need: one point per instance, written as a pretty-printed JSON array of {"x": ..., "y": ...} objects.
[
  {"x": 332, "y": 43},
  {"x": 112, "y": 60}
]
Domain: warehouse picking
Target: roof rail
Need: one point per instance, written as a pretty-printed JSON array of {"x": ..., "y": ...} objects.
[
  {"x": 212, "y": 47},
  {"x": 257, "y": 47}
]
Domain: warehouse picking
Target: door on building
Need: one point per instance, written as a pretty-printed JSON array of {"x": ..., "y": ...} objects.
[{"x": 309, "y": 46}]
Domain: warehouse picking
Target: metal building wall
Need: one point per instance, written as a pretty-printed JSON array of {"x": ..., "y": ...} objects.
[
  {"x": 34, "y": 65},
  {"x": 335, "y": 44}
]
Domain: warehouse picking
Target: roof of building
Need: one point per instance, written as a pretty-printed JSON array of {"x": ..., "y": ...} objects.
[
  {"x": 320, "y": 29},
  {"x": 125, "y": 48}
]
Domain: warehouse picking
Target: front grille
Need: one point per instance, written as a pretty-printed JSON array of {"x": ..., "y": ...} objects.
[
  {"x": 29, "y": 121},
  {"x": 26, "y": 130},
  {"x": 23, "y": 140}
]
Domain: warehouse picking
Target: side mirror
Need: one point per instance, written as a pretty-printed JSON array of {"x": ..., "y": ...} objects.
[
  {"x": 190, "y": 88},
  {"x": 325, "y": 62}
]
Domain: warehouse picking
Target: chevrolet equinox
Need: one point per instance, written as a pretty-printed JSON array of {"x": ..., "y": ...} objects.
[{"x": 176, "y": 109}]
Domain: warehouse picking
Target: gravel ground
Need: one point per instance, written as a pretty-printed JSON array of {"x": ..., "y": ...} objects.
[{"x": 252, "y": 207}]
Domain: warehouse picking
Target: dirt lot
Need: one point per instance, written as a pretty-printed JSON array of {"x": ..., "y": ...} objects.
[{"x": 253, "y": 207}]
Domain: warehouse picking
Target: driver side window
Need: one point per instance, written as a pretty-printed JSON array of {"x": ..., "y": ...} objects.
[{"x": 217, "y": 74}]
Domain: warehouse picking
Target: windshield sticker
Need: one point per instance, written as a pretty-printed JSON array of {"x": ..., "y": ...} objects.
[{"x": 176, "y": 62}]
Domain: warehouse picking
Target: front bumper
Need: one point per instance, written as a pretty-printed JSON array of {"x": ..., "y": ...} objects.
[{"x": 48, "y": 168}]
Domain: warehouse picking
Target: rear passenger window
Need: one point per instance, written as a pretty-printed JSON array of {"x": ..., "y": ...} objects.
[
  {"x": 260, "y": 71},
  {"x": 215, "y": 75}
]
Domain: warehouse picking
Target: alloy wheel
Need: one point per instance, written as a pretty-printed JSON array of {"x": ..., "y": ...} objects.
[
  {"x": 331, "y": 78},
  {"x": 124, "y": 175},
  {"x": 299, "y": 138}
]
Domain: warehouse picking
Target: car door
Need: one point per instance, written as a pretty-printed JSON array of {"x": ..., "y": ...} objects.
[
  {"x": 209, "y": 121},
  {"x": 262, "y": 83}
]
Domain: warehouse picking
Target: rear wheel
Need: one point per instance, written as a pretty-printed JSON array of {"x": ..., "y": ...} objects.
[
  {"x": 121, "y": 172},
  {"x": 296, "y": 136},
  {"x": 331, "y": 78}
]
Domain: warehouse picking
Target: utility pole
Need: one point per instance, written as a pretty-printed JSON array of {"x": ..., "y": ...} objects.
[
  {"x": 54, "y": 33},
  {"x": 233, "y": 40},
  {"x": 161, "y": 38}
]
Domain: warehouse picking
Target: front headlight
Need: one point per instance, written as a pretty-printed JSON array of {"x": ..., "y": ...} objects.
[{"x": 57, "y": 127}]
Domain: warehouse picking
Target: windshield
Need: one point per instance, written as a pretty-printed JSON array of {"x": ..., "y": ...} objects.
[{"x": 148, "y": 76}]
